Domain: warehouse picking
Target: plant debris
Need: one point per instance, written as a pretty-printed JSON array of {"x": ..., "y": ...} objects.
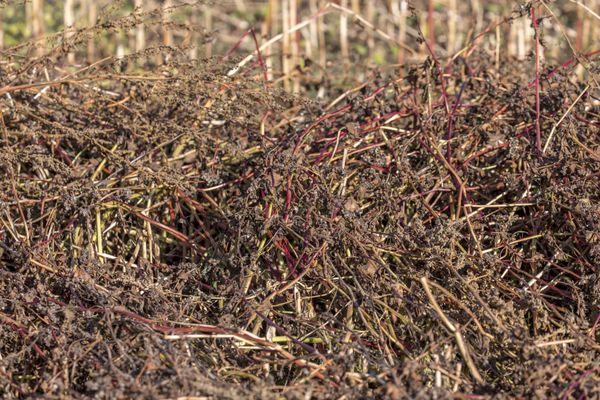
[{"x": 187, "y": 231}]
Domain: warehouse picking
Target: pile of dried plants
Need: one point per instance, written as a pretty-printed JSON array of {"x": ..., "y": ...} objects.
[{"x": 192, "y": 230}]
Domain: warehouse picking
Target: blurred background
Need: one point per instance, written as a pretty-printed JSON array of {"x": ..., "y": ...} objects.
[{"x": 312, "y": 32}]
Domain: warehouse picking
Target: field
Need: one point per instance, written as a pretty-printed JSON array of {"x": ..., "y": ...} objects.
[{"x": 300, "y": 199}]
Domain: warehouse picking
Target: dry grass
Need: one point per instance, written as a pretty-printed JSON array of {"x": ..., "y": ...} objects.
[{"x": 173, "y": 227}]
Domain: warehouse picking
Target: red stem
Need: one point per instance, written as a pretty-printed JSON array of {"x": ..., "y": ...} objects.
[
  {"x": 288, "y": 199},
  {"x": 260, "y": 58},
  {"x": 538, "y": 133}
]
